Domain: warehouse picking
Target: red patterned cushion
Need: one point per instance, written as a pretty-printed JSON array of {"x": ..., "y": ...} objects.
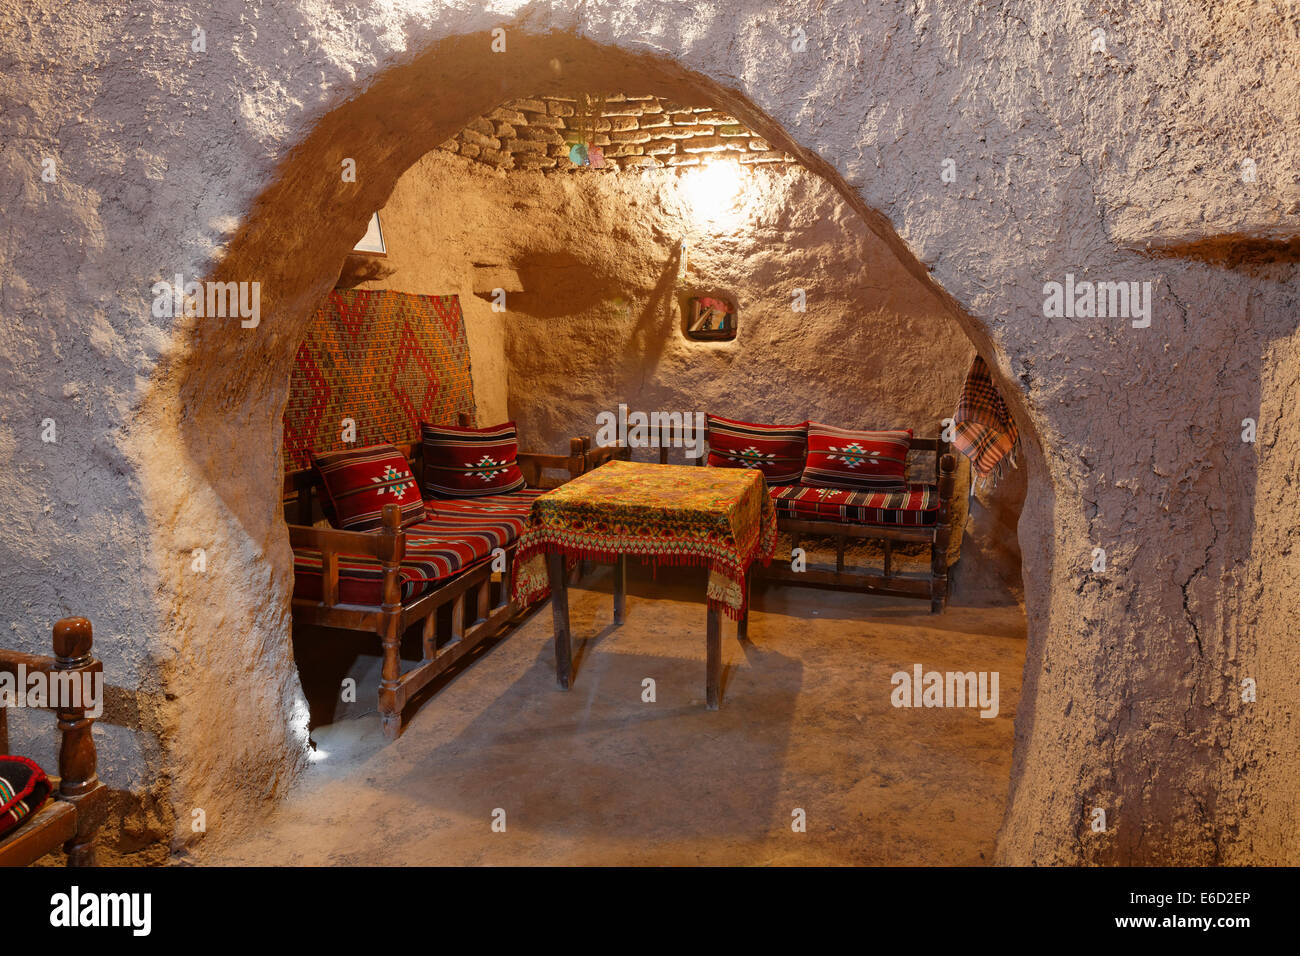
[
  {"x": 775, "y": 450},
  {"x": 23, "y": 788},
  {"x": 911, "y": 506},
  {"x": 470, "y": 462},
  {"x": 857, "y": 460},
  {"x": 360, "y": 482}
]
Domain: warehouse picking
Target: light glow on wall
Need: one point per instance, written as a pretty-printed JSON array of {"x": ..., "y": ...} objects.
[{"x": 714, "y": 191}]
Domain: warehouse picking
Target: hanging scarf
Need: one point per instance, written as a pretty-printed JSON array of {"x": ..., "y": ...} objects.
[{"x": 983, "y": 429}]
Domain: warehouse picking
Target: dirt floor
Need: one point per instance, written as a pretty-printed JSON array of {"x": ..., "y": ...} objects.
[{"x": 599, "y": 776}]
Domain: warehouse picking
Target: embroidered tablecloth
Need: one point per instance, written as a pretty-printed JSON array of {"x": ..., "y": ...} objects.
[{"x": 720, "y": 518}]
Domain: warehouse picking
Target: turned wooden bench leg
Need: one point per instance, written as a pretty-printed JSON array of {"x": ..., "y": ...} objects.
[
  {"x": 390, "y": 683},
  {"x": 390, "y": 676},
  {"x": 78, "y": 780},
  {"x": 560, "y": 615},
  {"x": 939, "y": 550},
  {"x": 429, "y": 637}
]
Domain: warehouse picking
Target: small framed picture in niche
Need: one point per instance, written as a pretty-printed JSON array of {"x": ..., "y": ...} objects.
[{"x": 710, "y": 318}]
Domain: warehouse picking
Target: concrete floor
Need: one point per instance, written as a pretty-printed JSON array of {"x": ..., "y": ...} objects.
[{"x": 597, "y": 776}]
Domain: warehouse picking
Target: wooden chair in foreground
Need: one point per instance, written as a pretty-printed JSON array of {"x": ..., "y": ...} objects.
[
  {"x": 71, "y": 817},
  {"x": 937, "y": 535}
]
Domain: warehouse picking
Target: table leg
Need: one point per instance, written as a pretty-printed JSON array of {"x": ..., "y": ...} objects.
[
  {"x": 560, "y": 613},
  {"x": 620, "y": 589},
  {"x": 713, "y": 658},
  {"x": 742, "y": 629}
]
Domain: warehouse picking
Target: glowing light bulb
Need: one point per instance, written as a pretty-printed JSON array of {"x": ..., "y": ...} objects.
[{"x": 713, "y": 190}]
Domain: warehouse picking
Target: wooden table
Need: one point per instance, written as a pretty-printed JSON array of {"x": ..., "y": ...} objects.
[
  {"x": 721, "y": 518},
  {"x": 555, "y": 572}
]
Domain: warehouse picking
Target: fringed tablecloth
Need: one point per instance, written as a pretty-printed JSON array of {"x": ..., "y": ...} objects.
[{"x": 719, "y": 518}]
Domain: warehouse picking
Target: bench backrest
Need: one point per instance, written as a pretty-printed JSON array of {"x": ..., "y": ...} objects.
[
  {"x": 301, "y": 487},
  {"x": 937, "y": 446}
]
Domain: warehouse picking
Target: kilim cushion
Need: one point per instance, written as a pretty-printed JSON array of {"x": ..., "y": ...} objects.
[
  {"x": 470, "y": 462},
  {"x": 776, "y": 450},
  {"x": 23, "y": 788},
  {"x": 452, "y": 537},
  {"x": 914, "y": 505},
  {"x": 984, "y": 430},
  {"x": 857, "y": 460},
  {"x": 360, "y": 482}
]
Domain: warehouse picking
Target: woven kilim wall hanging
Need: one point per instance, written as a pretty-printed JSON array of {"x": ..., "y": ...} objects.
[{"x": 384, "y": 359}]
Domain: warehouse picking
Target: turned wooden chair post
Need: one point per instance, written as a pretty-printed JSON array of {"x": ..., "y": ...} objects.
[
  {"x": 390, "y": 704},
  {"x": 78, "y": 780},
  {"x": 303, "y": 482},
  {"x": 577, "y": 456},
  {"x": 947, "y": 468}
]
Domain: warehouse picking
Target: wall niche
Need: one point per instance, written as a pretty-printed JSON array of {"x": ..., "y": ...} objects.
[{"x": 710, "y": 318}]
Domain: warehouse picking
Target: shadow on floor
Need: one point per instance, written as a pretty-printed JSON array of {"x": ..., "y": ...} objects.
[{"x": 599, "y": 775}]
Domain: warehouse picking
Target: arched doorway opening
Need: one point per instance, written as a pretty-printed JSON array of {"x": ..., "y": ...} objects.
[{"x": 225, "y": 393}]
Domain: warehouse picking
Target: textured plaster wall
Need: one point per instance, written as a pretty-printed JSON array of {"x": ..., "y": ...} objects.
[
  {"x": 1069, "y": 157},
  {"x": 594, "y": 302}
]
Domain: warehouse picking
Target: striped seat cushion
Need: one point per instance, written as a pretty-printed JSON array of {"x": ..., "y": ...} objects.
[
  {"x": 23, "y": 790},
  {"x": 913, "y": 505},
  {"x": 452, "y": 537}
]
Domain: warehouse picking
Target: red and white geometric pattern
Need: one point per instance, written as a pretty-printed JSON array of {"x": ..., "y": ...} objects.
[
  {"x": 856, "y": 460},
  {"x": 384, "y": 360}
]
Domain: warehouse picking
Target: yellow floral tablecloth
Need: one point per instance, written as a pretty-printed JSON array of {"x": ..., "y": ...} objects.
[{"x": 720, "y": 518}]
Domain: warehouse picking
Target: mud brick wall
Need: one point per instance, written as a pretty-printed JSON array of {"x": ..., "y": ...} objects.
[{"x": 632, "y": 131}]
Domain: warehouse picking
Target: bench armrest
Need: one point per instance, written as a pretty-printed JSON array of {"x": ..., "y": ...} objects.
[{"x": 387, "y": 543}]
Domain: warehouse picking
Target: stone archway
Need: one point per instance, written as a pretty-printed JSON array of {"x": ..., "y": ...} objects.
[
  {"x": 1071, "y": 160},
  {"x": 223, "y": 397}
]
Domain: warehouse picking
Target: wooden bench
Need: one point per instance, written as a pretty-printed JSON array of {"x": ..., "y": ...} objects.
[
  {"x": 72, "y": 816},
  {"x": 475, "y": 614},
  {"x": 933, "y": 586}
]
